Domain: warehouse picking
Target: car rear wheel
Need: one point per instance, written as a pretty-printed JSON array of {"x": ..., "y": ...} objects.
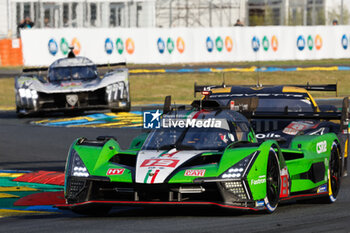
[{"x": 273, "y": 182}]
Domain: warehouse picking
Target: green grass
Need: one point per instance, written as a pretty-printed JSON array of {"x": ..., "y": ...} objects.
[
  {"x": 324, "y": 62},
  {"x": 7, "y": 94},
  {"x": 149, "y": 89}
]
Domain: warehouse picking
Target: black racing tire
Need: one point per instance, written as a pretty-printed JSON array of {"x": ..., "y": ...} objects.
[
  {"x": 73, "y": 113},
  {"x": 273, "y": 182},
  {"x": 126, "y": 109},
  {"x": 93, "y": 211},
  {"x": 334, "y": 175},
  {"x": 18, "y": 112}
]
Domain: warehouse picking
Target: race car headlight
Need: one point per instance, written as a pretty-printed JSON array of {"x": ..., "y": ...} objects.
[
  {"x": 34, "y": 94},
  {"x": 78, "y": 167},
  {"x": 28, "y": 93},
  {"x": 115, "y": 87},
  {"x": 239, "y": 169},
  {"x": 109, "y": 89},
  {"x": 22, "y": 92},
  {"x": 121, "y": 90}
]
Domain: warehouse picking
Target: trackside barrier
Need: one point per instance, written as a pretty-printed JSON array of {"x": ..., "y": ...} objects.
[{"x": 187, "y": 45}]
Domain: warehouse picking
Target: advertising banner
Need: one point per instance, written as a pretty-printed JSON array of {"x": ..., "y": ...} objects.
[{"x": 186, "y": 45}]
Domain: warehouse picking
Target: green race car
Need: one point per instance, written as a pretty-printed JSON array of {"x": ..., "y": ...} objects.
[{"x": 206, "y": 155}]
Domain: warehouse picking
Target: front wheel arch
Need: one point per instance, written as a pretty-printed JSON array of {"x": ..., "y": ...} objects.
[{"x": 273, "y": 181}]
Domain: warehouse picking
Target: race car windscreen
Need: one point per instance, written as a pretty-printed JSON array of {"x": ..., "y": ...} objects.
[
  {"x": 189, "y": 139},
  {"x": 285, "y": 104},
  {"x": 196, "y": 137},
  {"x": 276, "y": 104},
  {"x": 72, "y": 73}
]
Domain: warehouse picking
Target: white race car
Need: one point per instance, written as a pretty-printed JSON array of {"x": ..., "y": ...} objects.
[{"x": 72, "y": 83}]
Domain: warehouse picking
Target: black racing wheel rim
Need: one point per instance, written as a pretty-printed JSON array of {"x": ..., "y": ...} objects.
[
  {"x": 334, "y": 169},
  {"x": 272, "y": 180}
]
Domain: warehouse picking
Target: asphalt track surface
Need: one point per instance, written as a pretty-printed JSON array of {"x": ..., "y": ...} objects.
[{"x": 29, "y": 147}]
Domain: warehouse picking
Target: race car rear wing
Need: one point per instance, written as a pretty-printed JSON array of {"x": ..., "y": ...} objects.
[
  {"x": 320, "y": 87},
  {"x": 40, "y": 69},
  {"x": 34, "y": 69},
  {"x": 111, "y": 65}
]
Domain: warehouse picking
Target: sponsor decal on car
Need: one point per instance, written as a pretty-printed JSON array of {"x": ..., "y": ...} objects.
[
  {"x": 284, "y": 183},
  {"x": 268, "y": 135},
  {"x": 71, "y": 84},
  {"x": 260, "y": 180},
  {"x": 297, "y": 126},
  {"x": 159, "y": 163},
  {"x": 115, "y": 171},
  {"x": 321, "y": 147},
  {"x": 199, "y": 172},
  {"x": 322, "y": 189},
  {"x": 259, "y": 203}
]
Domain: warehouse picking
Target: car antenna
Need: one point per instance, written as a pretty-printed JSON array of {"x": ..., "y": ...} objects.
[
  {"x": 71, "y": 52},
  {"x": 258, "y": 79},
  {"x": 223, "y": 79},
  {"x": 175, "y": 109},
  {"x": 258, "y": 75}
]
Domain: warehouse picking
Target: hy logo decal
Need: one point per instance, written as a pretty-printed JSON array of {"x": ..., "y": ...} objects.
[{"x": 115, "y": 171}]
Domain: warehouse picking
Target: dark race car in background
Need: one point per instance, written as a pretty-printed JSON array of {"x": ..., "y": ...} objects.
[
  {"x": 283, "y": 112},
  {"x": 71, "y": 84}
]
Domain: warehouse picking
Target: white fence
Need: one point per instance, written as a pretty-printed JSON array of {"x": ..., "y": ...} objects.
[{"x": 187, "y": 45}]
